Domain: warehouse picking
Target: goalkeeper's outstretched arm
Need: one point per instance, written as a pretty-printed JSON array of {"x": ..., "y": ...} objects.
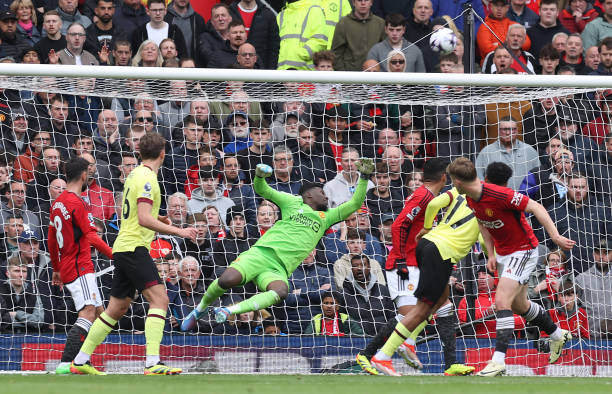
[{"x": 262, "y": 188}]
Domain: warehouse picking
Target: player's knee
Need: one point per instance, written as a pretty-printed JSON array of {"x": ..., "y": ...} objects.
[
  {"x": 230, "y": 278},
  {"x": 88, "y": 312}
]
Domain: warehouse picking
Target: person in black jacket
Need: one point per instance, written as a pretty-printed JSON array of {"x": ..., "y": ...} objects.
[
  {"x": 157, "y": 11},
  {"x": 217, "y": 32},
  {"x": 103, "y": 32},
  {"x": 262, "y": 32},
  {"x": 11, "y": 43},
  {"x": 227, "y": 55},
  {"x": 181, "y": 14}
]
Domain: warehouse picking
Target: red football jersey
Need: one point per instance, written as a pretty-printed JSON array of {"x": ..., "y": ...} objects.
[
  {"x": 502, "y": 211},
  {"x": 71, "y": 234},
  {"x": 406, "y": 227}
]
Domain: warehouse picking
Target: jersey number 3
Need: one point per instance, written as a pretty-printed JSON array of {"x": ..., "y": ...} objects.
[{"x": 57, "y": 223}]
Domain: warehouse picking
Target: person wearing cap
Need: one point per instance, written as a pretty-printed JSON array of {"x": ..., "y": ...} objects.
[
  {"x": 285, "y": 177},
  {"x": 342, "y": 187},
  {"x": 355, "y": 34},
  {"x": 580, "y": 217},
  {"x": 549, "y": 25},
  {"x": 232, "y": 185},
  {"x": 237, "y": 126},
  {"x": 568, "y": 129},
  {"x": 208, "y": 194},
  {"x": 567, "y": 314},
  {"x": 508, "y": 149},
  {"x": 236, "y": 242},
  {"x": 594, "y": 290},
  {"x": 11, "y": 43},
  {"x": 498, "y": 22}
]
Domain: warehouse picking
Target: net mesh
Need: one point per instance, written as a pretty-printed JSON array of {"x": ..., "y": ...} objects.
[{"x": 400, "y": 125}]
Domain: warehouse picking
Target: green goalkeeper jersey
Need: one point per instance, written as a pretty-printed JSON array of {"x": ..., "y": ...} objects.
[
  {"x": 458, "y": 229},
  {"x": 294, "y": 236}
]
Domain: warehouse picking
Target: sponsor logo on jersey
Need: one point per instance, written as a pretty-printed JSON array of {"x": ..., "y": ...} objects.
[
  {"x": 413, "y": 213},
  {"x": 516, "y": 199},
  {"x": 489, "y": 212},
  {"x": 492, "y": 224},
  {"x": 306, "y": 221},
  {"x": 322, "y": 215},
  {"x": 148, "y": 187}
]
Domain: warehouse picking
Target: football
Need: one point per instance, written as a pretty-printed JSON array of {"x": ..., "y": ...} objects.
[{"x": 443, "y": 40}]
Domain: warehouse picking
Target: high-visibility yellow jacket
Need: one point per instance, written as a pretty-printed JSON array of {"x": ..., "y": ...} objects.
[
  {"x": 302, "y": 31},
  {"x": 334, "y": 10}
]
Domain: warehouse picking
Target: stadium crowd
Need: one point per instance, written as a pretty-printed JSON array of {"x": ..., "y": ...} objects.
[{"x": 560, "y": 151}]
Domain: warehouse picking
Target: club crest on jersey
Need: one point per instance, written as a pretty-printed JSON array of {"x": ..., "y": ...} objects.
[
  {"x": 412, "y": 214},
  {"x": 489, "y": 212},
  {"x": 322, "y": 215},
  {"x": 516, "y": 199}
]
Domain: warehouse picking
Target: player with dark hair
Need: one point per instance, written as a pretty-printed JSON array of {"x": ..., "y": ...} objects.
[
  {"x": 134, "y": 267},
  {"x": 274, "y": 257},
  {"x": 501, "y": 217},
  {"x": 71, "y": 234},
  {"x": 498, "y": 173},
  {"x": 438, "y": 250}
]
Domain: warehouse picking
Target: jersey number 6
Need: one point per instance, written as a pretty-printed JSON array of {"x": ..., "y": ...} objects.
[{"x": 126, "y": 205}]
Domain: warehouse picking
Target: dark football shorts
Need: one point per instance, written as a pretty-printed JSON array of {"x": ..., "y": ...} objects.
[
  {"x": 435, "y": 272},
  {"x": 133, "y": 271}
]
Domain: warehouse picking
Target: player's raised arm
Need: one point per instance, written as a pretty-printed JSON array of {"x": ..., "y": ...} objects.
[
  {"x": 344, "y": 210},
  {"x": 147, "y": 220},
  {"x": 537, "y": 210},
  {"x": 261, "y": 187}
]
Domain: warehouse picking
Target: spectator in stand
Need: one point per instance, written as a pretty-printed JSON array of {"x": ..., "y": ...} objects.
[
  {"x": 74, "y": 54},
  {"x": 103, "y": 32},
  {"x": 20, "y": 298},
  {"x": 594, "y": 290},
  {"x": 542, "y": 33},
  {"x": 591, "y": 58},
  {"x": 27, "y": 21},
  {"x": 201, "y": 249},
  {"x": 395, "y": 28},
  {"x": 261, "y": 30},
  {"x": 601, "y": 171},
  {"x": 336, "y": 242},
  {"x": 567, "y": 314},
  {"x": 130, "y": 16},
  {"x": 381, "y": 200},
  {"x": 69, "y": 12},
  {"x": 605, "y": 56},
  {"x": 515, "y": 40},
  {"x": 148, "y": 55},
  {"x": 508, "y": 149},
  {"x": 286, "y": 124},
  {"x": 356, "y": 245},
  {"x": 107, "y": 148},
  {"x": 308, "y": 283},
  {"x": 122, "y": 53},
  {"x": 341, "y": 188},
  {"x": 260, "y": 150},
  {"x": 334, "y": 11},
  {"x": 237, "y": 240},
  {"x": 208, "y": 194},
  {"x": 47, "y": 171},
  {"x": 519, "y": 13},
  {"x": 11, "y": 43},
  {"x": 54, "y": 40},
  {"x": 499, "y": 23},
  {"x": 25, "y": 163},
  {"x": 367, "y": 300},
  {"x": 157, "y": 29},
  {"x": 549, "y": 60},
  {"x": 168, "y": 50},
  {"x": 599, "y": 29},
  {"x": 13, "y": 227},
  {"x": 132, "y": 139},
  {"x": 559, "y": 42},
  {"x": 573, "y": 55},
  {"x": 310, "y": 162},
  {"x": 539, "y": 122},
  {"x": 62, "y": 128},
  {"x": 233, "y": 186},
  {"x": 285, "y": 178},
  {"x": 128, "y": 163},
  {"x": 398, "y": 166},
  {"x": 238, "y": 124},
  {"x": 598, "y": 128},
  {"x": 302, "y": 24},
  {"x": 28, "y": 56},
  {"x": 192, "y": 24},
  {"x": 545, "y": 281},
  {"x": 101, "y": 200},
  {"x": 547, "y": 184},
  {"x": 191, "y": 285},
  {"x": 386, "y": 137},
  {"x": 581, "y": 217},
  {"x": 454, "y": 10},
  {"x": 176, "y": 209},
  {"x": 267, "y": 215},
  {"x": 413, "y": 148},
  {"x": 247, "y": 56},
  {"x": 418, "y": 27},
  {"x": 383, "y": 8},
  {"x": 15, "y": 138},
  {"x": 485, "y": 307},
  {"x": 174, "y": 111},
  {"x": 331, "y": 322},
  {"x": 581, "y": 146},
  {"x": 226, "y": 55},
  {"x": 215, "y": 34},
  {"x": 577, "y": 15},
  {"x": 355, "y": 34}
]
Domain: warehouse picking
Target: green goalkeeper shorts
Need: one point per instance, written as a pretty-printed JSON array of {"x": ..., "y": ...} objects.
[{"x": 261, "y": 266}]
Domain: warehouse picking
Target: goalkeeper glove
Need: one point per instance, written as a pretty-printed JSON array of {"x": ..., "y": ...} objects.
[
  {"x": 263, "y": 170},
  {"x": 365, "y": 167}
]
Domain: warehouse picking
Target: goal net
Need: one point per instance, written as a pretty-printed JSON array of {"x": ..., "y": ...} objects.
[{"x": 309, "y": 126}]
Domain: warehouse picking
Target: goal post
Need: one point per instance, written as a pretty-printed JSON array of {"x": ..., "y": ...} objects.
[{"x": 308, "y": 118}]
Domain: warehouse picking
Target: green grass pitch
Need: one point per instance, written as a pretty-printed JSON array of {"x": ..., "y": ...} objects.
[{"x": 295, "y": 384}]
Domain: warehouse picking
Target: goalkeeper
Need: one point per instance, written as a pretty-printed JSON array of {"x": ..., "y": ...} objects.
[{"x": 281, "y": 249}]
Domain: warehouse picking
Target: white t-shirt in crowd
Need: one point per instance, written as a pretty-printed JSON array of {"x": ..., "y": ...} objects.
[{"x": 157, "y": 35}]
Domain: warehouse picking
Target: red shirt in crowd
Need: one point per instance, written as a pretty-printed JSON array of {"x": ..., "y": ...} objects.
[
  {"x": 501, "y": 210},
  {"x": 101, "y": 200},
  {"x": 483, "y": 305},
  {"x": 577, "y": 324},
  {"x": 598, "y": 128}
]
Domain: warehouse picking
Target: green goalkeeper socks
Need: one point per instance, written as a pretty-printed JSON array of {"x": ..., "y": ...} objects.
[
  {"x": 97, "y": 333},
  {"x": 395, "y": 340},
  {"x": 213, "y": 292},
  {"x": 255, "y": 303},
  {"x": 154, "y": 331}
]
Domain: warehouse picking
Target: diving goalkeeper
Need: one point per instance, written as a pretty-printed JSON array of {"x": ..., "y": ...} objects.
[{"x": 275, "y": 256}]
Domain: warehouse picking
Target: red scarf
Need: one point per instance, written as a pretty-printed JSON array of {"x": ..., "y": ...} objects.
[{"x": 331, "y": 327}]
